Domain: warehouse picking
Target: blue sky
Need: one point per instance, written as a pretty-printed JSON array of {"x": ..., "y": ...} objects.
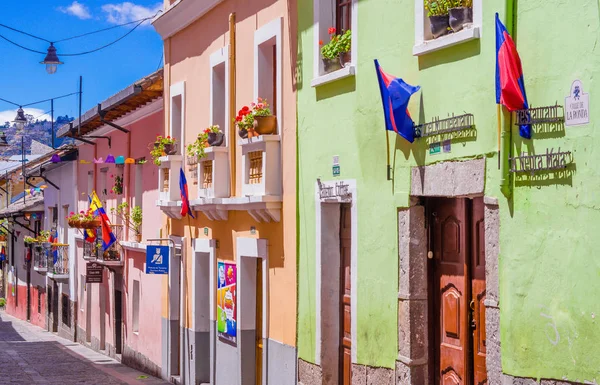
[{"x": 24, "y": 80}]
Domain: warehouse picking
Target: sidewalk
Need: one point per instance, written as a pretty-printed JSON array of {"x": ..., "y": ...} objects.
[{"x": 30, "y": 355}]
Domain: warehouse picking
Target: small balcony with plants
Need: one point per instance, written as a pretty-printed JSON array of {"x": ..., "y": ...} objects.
[
  {"x": 165, "y": 157},
  {"x": 114, "y": 255},
  {"x": 40, "y": 258},
  {"x": 208, "y": 160}
]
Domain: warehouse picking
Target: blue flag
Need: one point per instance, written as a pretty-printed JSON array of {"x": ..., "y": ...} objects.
[
  {"x": 395, "y": 95},
  {"x": 185, "y": 198}
]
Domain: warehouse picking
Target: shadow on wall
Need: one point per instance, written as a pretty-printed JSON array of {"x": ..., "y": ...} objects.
[
  {"x": 339, "y": 87},
  {"x": 459, "y": 52},
  {"x": 293, "y": 38},
  {"x": 214, "y": 26}
]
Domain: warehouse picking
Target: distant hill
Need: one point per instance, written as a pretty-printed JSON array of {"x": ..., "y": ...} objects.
[{"x": 38, "y": 130}]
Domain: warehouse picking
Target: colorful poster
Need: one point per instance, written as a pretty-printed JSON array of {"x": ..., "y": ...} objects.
[{"x": 226, "y": 301}]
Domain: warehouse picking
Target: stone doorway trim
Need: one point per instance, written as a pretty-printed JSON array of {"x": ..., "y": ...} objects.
[
  {"x": 452, "y": 179},
  {"x": 327, "y": 249}
]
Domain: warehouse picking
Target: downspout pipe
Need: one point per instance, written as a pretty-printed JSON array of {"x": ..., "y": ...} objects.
[
  {"x": 506, "y": 136},
  {"x": 232, "y": 143}
]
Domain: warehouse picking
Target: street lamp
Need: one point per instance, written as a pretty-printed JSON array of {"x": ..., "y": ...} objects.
[
  {"x": 20, "y": 120},
  {"x": 3, "y": 141},
  {"x": 51, "y": 61}
]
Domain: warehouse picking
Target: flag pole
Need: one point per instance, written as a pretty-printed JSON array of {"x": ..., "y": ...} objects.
[
  {"x": 387, "y": 148},
  {"x": 499, "y": 110}
]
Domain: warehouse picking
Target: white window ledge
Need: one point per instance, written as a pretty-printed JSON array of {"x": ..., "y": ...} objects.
[
  {"x": 462, "y": 36},
  {"x": 333, "y": 76},
  {"x": 171, "y": 208},
  {"x": 264, "y": 208},
  {"x": 134, "y": 246}
]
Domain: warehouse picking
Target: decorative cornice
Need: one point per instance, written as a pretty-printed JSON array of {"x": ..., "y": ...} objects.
[{"x": 181, "y": 14}]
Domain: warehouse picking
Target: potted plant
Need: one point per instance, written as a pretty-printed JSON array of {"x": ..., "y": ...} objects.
[
  {"x": 118, "y": 186},
  {"x": 27, "y": 240},
  {"x": 460, "y": 12},
  {"x": 44, "y": 238},
  {"x": 264, "y": 122},
  {"x": 3, "y": 232},
  {"x": 330, "y": 52},
  {"x": 214, "y": 135},
  {"x": 244, "y": 121},
  {"x": 344, "y": 44},
  {"x": 131, "y": 217},
  {"x": 437, "y": 11},
  {"x": 195, "y": 150},
  {"x": 163, "y": 146}
]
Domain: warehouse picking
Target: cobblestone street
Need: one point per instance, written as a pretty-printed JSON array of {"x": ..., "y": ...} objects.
[{"x": 30, "y": 355}]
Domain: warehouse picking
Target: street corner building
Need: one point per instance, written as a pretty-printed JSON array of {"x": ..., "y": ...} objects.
[
  {"x": 460, "y": 252},
  {"x": 227, "y": 188}
]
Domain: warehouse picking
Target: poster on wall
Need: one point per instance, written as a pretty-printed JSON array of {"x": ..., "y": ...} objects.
[{"x": 226, "y": 302}]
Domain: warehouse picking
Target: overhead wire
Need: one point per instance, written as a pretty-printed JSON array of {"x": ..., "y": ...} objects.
[{"x": 24, "y": 33}]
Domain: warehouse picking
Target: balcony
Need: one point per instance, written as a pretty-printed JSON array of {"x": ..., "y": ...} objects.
[
  {"x": 261, "y": 182},
  {"x": 114, "y": 255},
  {"x": 58, "y": 261},
  {"x": 169, "y": 200},
  {"x": 40, "y": 259}
]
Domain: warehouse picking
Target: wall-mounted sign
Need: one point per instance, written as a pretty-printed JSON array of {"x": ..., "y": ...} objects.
[
  {"x": 444, "y": 126},
  {"x": 447, "y": 145},
  {"x": 226, "y": 301},
  {"x": 540, "y": 115},
  {"x": 157, "y": 259},
  {"x": 577, "y": 106},
  {"x": 435, "y": 148},
  {"x": 339, "y": 189},
  {"x": 545, "y": 162},
  {"x": 335, "y": 170},
  {"x": 93, "y": 272}
]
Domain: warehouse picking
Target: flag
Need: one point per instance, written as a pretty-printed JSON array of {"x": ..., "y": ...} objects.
[
  {"x": 185, "y": 198},
  {"x": 89, "y": 235},
  {"x": 395, "y": 94},
  {"x": 108, "y": 238},
  {"x": 510, "y": 86},
  {"x": 3, "y": 254}
]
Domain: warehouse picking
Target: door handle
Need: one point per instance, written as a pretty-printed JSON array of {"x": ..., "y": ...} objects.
[{"x": 473, "y": 321}]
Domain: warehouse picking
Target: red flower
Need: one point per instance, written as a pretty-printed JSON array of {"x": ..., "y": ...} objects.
[
  {"x": 259, "y": 100},
  {"x": 331, "y": 30},
  {"x": 168, "y": 137},
  {"x": 245, "y": 109},
  {"x": 238, "y": 118},
  {"x": 320, "y": 42},
  {"x": 206, "y": 131}
]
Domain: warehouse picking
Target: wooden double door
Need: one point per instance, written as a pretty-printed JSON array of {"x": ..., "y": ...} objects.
[{"x": 457, "y": 271}]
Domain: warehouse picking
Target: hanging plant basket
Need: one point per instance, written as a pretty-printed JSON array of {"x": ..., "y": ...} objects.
[
  {"x": 75, "y": 223},
  {"x": 90, "y": 224},
  {"x": 265, "y": 125},
  {"x": 170, "y": 149},
  {"x": 215, "y": 139}
]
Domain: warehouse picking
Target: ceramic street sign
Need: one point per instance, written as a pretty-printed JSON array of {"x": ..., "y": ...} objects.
[
  {"x": 577, "y": 106},
  {"x": 157, "y": 259}
]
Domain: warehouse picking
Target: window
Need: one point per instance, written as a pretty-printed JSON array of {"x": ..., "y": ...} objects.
[
  {"x": 136, "y": 306},
  {"x": 66, "y": 311},
  {"x": 81, "y": 290},
  {"x": 343, "y": 15},
  {"x": 426, "y": 42},
  {"x": 90, "y": 183},
  {"x": 267, "y": 66},
  {"x": 178, "y": 115},
  {"x": 103, "y": 184},
  {"x": 343, "y": 18},
  {"x": 219, "y": 101}
]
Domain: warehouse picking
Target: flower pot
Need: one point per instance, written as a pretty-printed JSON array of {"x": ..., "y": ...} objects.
[
  {"x": 345, "y": 59},
  {"x": 265, "y": 125},
  {"x": 138, "y": 238},
  {"x": 74, "y": 223},
  {"x": 243, "y": 133},
  {"x": 170, "y": 149},
  {"x": 89, "y": 224},
  {"x": 330, "y": 65},
  {"x": 439, "y": 25},
  {"x": 2, "y": 238},
  {"x": 460, "y": 16},
  {"x": 215, "y": 139}
]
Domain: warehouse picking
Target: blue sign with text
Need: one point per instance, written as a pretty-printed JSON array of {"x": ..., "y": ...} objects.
[{"x": 157, "y": 259}]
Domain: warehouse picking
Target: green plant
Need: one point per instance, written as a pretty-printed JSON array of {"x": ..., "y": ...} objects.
[
  {"x": 260, "y": 108},
  {"x": 245, "y": 118},
  {"x": 437, "y": 7},
  {"x": 159, "y": 147},
  {"x": 27, "y": 240},
  {"x": 2, "y": 302},
  {"x": 131, "y": 217},
  {"x": 44, "y": 236},
  {"x": 118, "y": 187},
  {"x": 467, "y": 3},
  {"x": 337, "y": 44}
]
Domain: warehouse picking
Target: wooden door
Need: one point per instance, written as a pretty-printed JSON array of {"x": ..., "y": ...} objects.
[
  {"x": 451, "y": 304},
  {"x": 477, "y": 308},
  {"x": 118, "y": 321},
  {"x": 345, "y": 297},
  {"x": 259, "y": 321}
]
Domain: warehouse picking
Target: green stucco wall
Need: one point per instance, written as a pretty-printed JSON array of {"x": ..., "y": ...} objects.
[{"x": 549, "y": 229}]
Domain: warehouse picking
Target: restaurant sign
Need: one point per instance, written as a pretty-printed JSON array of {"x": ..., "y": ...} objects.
[
  {"x": 93, "y": 272},
  {"x": 337, "y": 190},
  {"x": 577, "y": 106},
  {"x": 545, "y": 162}
]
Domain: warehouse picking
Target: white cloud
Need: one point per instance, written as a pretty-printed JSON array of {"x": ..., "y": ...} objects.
[
  {"x": 9, "y": 115},
  {"x": 126, "y": 12},
  {"x": 77, "y": 9}
]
